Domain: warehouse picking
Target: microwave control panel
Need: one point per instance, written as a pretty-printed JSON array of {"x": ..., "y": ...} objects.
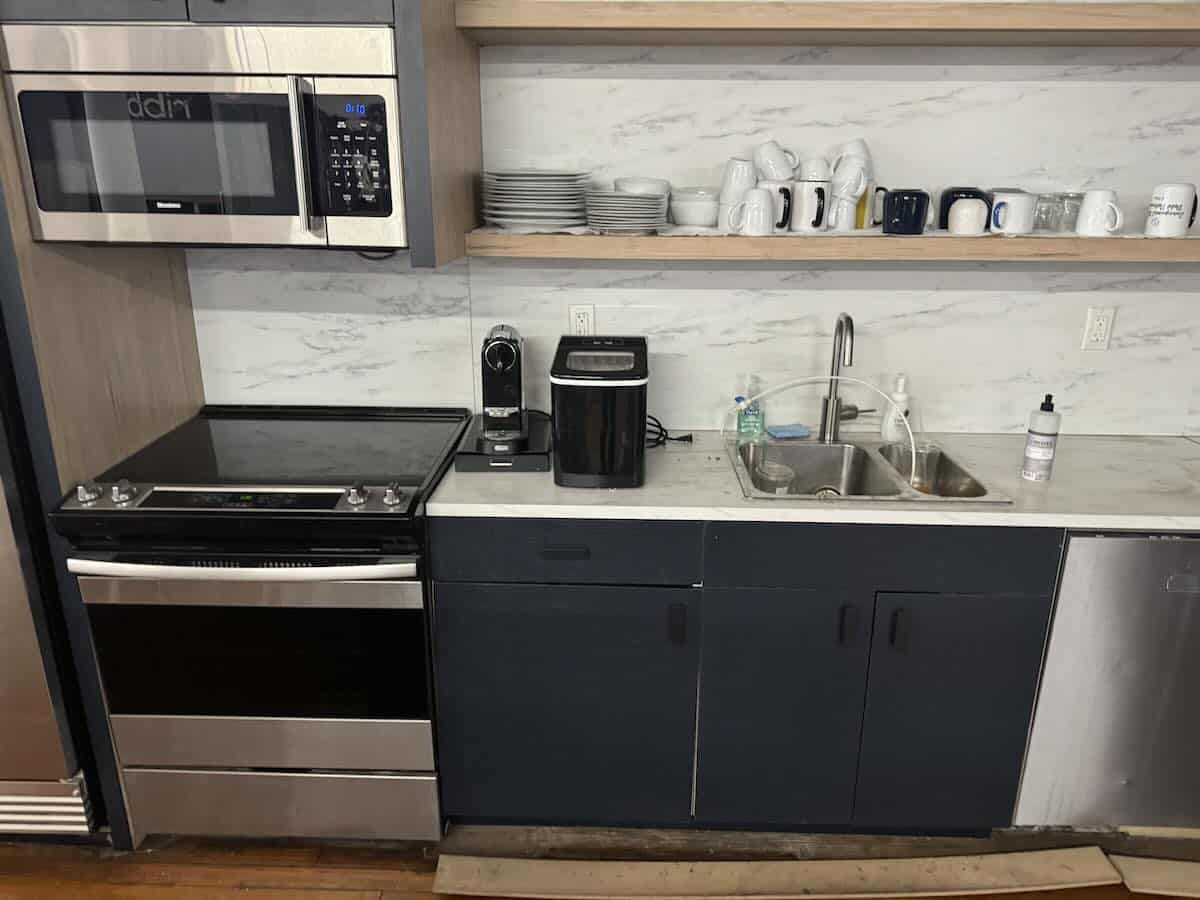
[{"x": 353, "y": 170}]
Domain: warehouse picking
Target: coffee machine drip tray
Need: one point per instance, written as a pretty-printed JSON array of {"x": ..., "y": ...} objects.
[{"x": 487, "y": 450}]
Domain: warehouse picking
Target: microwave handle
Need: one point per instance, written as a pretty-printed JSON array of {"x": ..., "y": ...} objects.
[{"x": 300, "y": 148}]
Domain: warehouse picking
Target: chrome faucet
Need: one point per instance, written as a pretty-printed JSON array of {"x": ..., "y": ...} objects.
[{"x": 843, "y": 355}]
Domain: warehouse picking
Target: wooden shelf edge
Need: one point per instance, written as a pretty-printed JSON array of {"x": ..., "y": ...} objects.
[
  {"x": 731, "y": 21},
  {"x": 850, "y": 248}
]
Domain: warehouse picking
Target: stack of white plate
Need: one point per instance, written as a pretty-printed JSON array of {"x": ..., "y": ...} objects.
[
  {"x": 615, "y": 212},
  {"x": 535, "y": 198}
]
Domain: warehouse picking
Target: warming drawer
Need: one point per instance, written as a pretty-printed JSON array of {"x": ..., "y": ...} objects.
[
  {"x": 279, "y": 743},
  {"x": 279, "y": 804}
]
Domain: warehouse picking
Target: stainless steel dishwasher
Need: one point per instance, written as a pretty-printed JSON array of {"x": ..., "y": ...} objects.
[{"x": 1116, "y": 734}]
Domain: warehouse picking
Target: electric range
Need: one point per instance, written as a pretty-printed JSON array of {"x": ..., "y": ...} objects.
[{"x": 254, "y": 584}]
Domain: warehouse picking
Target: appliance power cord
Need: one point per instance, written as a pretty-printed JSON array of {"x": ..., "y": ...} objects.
[{"x": 657, "y": 434}]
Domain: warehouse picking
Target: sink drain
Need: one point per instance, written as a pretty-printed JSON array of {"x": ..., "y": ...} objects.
[{"x": 827, "y": 493}]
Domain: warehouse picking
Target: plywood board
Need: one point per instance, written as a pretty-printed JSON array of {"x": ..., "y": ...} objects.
[
  {"x": 1169, "y": 877},
  {"x": 925, "y": 877}
]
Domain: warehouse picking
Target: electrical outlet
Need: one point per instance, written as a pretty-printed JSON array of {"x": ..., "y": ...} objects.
[
  {"x": 581, "y": 318},
  {"x": 1097, "y": 331}
]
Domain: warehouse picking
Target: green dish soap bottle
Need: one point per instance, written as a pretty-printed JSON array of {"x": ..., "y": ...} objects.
[{"x": 751, "y": 421}]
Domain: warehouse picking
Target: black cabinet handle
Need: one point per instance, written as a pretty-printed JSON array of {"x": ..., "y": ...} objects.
[
  {"x": 677, "y": 615},
  {"x": 898, "y": 630},
  {"x": 847, "y": 624},
  {"x": 566, "y": 552}
]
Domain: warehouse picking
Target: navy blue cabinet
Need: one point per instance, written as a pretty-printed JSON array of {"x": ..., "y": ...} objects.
[
  {"x": 950, "y": 699},
  {"x": 571, "y": 704},
  {"x": 92, "y": 10},
  {"x": 781, "y": 697}
]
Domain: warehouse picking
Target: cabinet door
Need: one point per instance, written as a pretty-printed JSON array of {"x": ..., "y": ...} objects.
[
  {"x": 949, "y": 702},
  {"x": 566, "y": 703},
  {"x": 781, "y": 697},
  {"x": 92, "y": 10},
  {"x": 378, "y": 12}
]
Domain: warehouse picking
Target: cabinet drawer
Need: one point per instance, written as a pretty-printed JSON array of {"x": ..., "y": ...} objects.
[
  {"x": 938, "y": 558},
  {"x": 340, "y": 12},
  {"x": 566, "y": 551},
  {"x": 92, "y": 10},
  {"x": 283, "y": 804}
]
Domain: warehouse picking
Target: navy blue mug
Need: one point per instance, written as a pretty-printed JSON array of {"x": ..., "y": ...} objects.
[
  {"x": 950, "y": 194},
  {"x": 905, "y": 211}
]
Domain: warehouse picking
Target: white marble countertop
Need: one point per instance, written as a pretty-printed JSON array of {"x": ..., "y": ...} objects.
[{"x": 1119, "y": 483}]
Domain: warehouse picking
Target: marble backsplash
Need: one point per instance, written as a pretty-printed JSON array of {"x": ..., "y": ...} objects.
[{"x": 980, "y": 342}]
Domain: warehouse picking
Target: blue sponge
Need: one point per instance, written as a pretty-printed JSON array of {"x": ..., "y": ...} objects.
[{"x": 789, "y": 432}]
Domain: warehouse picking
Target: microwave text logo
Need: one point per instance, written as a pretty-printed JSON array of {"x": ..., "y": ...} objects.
[{"x": 159, "y": 106}]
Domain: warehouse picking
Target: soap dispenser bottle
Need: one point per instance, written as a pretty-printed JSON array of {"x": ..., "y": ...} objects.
[
  {"x": 891, "y": 426},
  {"x": 1041, "y": 442}
]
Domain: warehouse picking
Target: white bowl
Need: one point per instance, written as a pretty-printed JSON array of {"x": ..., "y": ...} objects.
[
  {"x": 637, "y": 185},
  {"x": 695, "y": 206}
]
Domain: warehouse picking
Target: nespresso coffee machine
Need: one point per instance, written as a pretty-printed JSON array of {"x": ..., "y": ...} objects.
[
  {"x": 504, "y": 417},
  {"x": 505, "y": 435}
]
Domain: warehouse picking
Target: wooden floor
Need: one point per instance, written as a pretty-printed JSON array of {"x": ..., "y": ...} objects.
[{"x": 189, "y": 869}]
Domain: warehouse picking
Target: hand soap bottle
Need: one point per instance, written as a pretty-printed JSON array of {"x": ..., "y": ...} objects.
[
  {"x": 891, "y": 426},
  {"x": 1041, "y": 442},
  {"x": 751, "y": 423}
]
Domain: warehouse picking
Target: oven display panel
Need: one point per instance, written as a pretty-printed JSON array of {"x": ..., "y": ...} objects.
[{"x": 281, "y": 500}]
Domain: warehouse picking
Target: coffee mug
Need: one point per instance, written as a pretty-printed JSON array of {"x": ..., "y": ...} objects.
[
  {"x": 952, "y": 195},
  {"x": 869, "y": 211},
  {"x": 814, "y": 169},
  {"x": 755, "y": 215},
  {"x": 774, "y": 163},
  {"x": 1172, "y": 210},
  {"x": 841, "y": 212},
  {"x": 856, "y": 149},
  {"x": 781, "y": 193},
  {"x": 1099, "y": 216},
  {"x": 739, "y": 177},
  {"x": 1012, "y": 212},
  {"x": 968, "y": 215},
  {"x": 810, "y": 201},
  {"x": 905, "y": 211}
]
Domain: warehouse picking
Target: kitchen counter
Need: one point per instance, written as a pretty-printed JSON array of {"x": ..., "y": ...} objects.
[{"x": 1118, "y": 483}]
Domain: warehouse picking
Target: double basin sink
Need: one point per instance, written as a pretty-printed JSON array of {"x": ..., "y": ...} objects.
[{"x": 801, "y": 470}]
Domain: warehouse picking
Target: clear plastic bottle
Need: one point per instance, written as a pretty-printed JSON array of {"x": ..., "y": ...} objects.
[
  {"x": 1041, "y": 442},
  {"x": 751, "y": 422},
  {"x": 891, "y": 426}
]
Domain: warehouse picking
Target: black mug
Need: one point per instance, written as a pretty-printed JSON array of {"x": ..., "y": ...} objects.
[
  {"x": 905, "y": 211},
  {"x": 951, "y": 194}
]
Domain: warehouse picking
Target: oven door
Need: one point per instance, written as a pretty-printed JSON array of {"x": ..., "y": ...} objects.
[
  {"x": 217, "y": 669},
  {"x": 166, "y": 158}
]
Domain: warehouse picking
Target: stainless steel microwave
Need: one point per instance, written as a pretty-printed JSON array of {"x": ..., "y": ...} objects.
[{"x": 194, "y": 134}]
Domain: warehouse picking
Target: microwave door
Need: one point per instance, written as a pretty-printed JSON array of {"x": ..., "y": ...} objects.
[{"x": 166, "y": 159}]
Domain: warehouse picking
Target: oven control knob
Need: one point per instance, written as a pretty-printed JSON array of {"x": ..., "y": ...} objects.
[
  {"x": 123, "y": 491},
  {"x": 88, "y": 492},
  {"x": 392, "y": 495},
  {"x": 356, "y": 494}
]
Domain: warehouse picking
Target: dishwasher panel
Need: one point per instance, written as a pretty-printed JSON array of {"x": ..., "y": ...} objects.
[{"x": 1116, "y": 734}]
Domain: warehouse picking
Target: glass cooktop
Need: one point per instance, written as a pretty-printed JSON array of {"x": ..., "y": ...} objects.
[{"x": 269, "y": 446}]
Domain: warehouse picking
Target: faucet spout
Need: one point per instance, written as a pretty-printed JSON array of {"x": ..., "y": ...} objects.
[{"x": 843, "y": 355}]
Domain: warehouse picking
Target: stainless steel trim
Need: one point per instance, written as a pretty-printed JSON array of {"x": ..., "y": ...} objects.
[
  {"x": 296, "y": 86},
  {"x": 244, "y": 742},
  {"x": 165, "y": 228},
  {"x": 696, "y": 741},
  {"x": 44, "y": 807},
  {"x": 321, "y": 594},
  {"x": 199, "y": 49},
  {"x": 1115, "y": 734},
  {"x": 592, "y": 383},
  {"x": 372, "y": 231},
  {"x": 284, "y": 804}
]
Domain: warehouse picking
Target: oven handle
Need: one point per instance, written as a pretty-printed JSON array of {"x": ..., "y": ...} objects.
[
  {"x": 300, "y": 150},
  {"x": 301, "y": 574}
]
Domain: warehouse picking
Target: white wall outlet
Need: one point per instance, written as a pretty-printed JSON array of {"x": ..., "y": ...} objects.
[
  {"x": 1097, "y": 332},
  {"x": 581, "y": 319}
]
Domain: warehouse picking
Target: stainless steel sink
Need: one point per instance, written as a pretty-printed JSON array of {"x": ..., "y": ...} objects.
[
  {"x": 803, "y": 470},
  {"x": 948, "y": 478}
]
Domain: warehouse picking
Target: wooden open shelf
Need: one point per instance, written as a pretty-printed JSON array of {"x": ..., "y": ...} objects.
[
  {"x": 833, "y": 248},
  {"x": 832, "y": 22}
]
